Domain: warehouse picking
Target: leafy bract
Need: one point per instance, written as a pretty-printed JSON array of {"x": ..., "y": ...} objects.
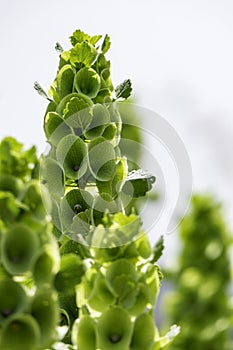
[
  {"x": 79, "y": 37},
  {"x": 158, "y": 250},
  {"x": 77, "y": 114},
  {"x": 124, "y": 89},
  {"x": 138, "y": 183},
  {"x": 83, "y": 53},
  {"x": 106, "y": 44}
]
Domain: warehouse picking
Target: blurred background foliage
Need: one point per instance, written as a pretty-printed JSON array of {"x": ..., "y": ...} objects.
[
  {"x": 29, "y": 257},
  {"x": 200, "y": 300}
]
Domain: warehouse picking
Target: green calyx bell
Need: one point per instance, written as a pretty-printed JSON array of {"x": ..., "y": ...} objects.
[
  {"x": 114, "y": 330},
  {"x": 20, "y": 332},
  {"x": 13, "y": 299},
  {"x": 19, "y": 249},
  {"x": 88, "y": 82}
]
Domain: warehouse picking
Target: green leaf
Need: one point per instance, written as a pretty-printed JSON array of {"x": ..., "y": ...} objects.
[
  {"x": 124, "y": 89},
  {"x": 40, "y": 90},
  {"x": 158, "y": 250},
  {"x": 138, "y": 183},
  {"x": 106, "y": 44},
  {"x": 78, "y": 37},
  {"x": 163, "y": 342},
  {"x": 83, "y": 53},
  {"x": 59, "y": 48},
  {"x": 95, "y": 38}
]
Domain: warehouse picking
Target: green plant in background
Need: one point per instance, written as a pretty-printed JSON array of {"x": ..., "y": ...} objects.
[
  {"x": 29, "y": 256},
  {"x": 108, "y": 281},
  {"x": 200, "y": 303}
]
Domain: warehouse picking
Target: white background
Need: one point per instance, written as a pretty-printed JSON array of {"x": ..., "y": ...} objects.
[{"x": 178, "y": 54}]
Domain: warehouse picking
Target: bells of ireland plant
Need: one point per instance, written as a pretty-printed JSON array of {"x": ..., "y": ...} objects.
[
  {"x": 202, "y": 278},
  {"x": 108, "y": 280},
  {"x": 29, "y": 256}
]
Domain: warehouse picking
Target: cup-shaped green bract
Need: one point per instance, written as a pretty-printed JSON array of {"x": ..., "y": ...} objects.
[
  {"x": 102, "y": 204},
  {"x": 114, "y": 330},
  {"x": 70, "y": 273},
  {"x": 85, "y": 288},
  {"x": 100, "y": 121},
  {"x": 44, "y": 267},
  {"x": 52, "y": 177},
  {"x": 33, "y": 199},
  {"x": 151, "y": 279},
  {"x": 44, "y": 309},
  {"x": 143, "y": 333},
  {"x": 13, "y": 299},
  {"x": 121, "y": 278},
  {"x": 78, "y": 114},
  {"x": 9, "y": 207},
  {"x": 101, "y": 297},
  {"x": 143, "y": 300},
  {"x": 102, "y": 161},
  {"x": 84, "y": 333},
  {"x": 87, "y": 81},
  {"x": 21, "y": 332},
  {"x": 56, "y": 220},
  {"x": 10, "y": 183},
  {"x": 64, "y": 81},
  {"x": 73, "y": 203},
  {"x": 71, "y": 154},
  {"x": 83, "y": 102},
  {"x": 19, "y": 249},
  {"x": 55, "y": 128}
]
